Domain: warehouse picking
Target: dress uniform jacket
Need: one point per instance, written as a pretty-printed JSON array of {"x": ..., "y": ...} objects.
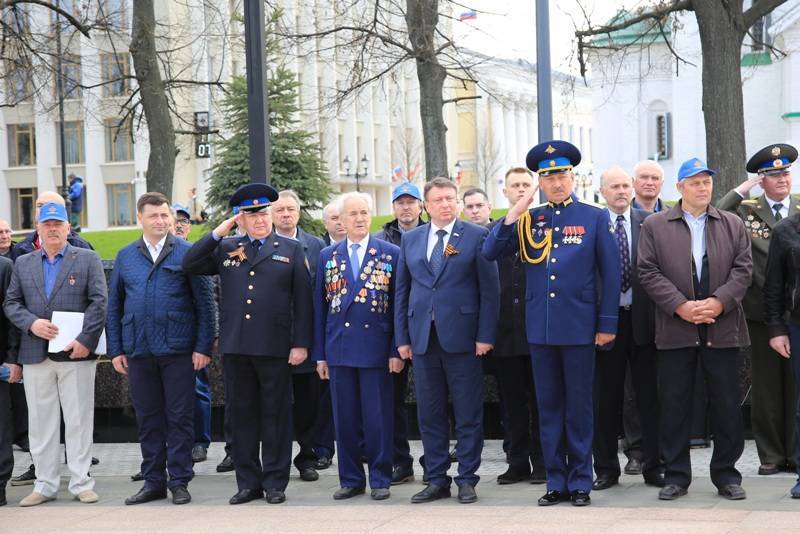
[
  {"x": 511, "y": 337},
  {"x": 562, "y": 290},
  {"x": 266, "y": 306}
]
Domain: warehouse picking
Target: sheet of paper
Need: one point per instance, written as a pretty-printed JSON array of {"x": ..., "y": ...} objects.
[{"x": 69, "y": 326}]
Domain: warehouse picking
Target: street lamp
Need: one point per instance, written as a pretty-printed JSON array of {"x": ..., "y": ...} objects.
[
  {"x": 457, "y": 170},
  {"x": 363, "y": 169}
]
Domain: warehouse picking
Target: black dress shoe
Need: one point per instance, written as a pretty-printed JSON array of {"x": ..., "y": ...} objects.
[
  {"x": 275, "y": 496},
  {"x": 670, "y": 492},
  {"x": 25, "y": 479},
  {"x": 768, "y": 469},
  {"x": 553, "y": 497},
  {"x": 246, "y": 495},
  {"x": 199, "y": 454},
  {"x": 146, "y": 495},
  {"x": 347, "y": 493},
  {"x": 538, "y": 476},
  {"x": 453, "y": 457},
  {"x": 181, "y": 495},
  {"x": 95, "y": 461},
  {"x": 512, "y": 476},
  {"x": 401, "y": 475},
  {"x": 322, "y": 463},
  {"x": 654, "y": 479},
  {"x": 581, "y": 498},
  {"x": 138, "y": 477},
  {"x": 466, "y": 494},
  {"x": 604, "y": 482},
  {"x": 225, "y": 465},
  {"x": 380, "y": 494},
  {"x": 3, "y": 501},
  {"x": 309, "y": 474},
  {"x": 732, "y": 492},
  {"x": 432, "y": 493},
  {"x": 633, "y": 467}
]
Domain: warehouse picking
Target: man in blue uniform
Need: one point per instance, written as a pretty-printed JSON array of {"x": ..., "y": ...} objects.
[
  {"x": 564, "y": 242},
  {"x": 446, "y": 309},
  {"x": 265, "y": 319},
  {"x": 354, "y": 347}
]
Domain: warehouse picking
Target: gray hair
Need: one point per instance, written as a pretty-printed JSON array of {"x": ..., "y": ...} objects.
[
  {"x": 288, "y": 193},
  {"x": 614, "y": 169},
  {"x": 339, "y": 202},
  {"x": 330, "y": 206},
  {"x": 650, "y": 163}
]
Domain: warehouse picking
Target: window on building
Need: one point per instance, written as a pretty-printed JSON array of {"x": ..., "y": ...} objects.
[
  {"x": 113, "y": 14},
  {"x": 121, "y": 208},
  {"x": 73, "y": 142},
  {"x": 664, "y": 135},
  {"x": 115, "y": 71},
  {"x": 119, "y": 144},
  {"x": 21, "y": 145},
  {"x": 571, "y": 134},
  {"x": 19, "y": 85},
  {"x": 70, "y": 77},
  {"x": 17, "y": 19},
  {"x": 23, "y": 204}
]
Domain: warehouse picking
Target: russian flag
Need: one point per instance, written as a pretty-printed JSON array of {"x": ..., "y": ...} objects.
[{"x": 468, "y": 15}]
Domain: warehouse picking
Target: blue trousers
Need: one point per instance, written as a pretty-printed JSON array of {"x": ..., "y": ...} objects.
[
  {"x": 162, "y": 391},
  {"x": 202, "y": 408},
  {"x": 324, "y": 434},
  {"x": 564, "y": 376},
  {"x": 363, "y": 416},
  {"x": 435, "y": 373}
]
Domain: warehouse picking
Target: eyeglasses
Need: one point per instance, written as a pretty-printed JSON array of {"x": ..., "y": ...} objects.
[{"x": 183, "y": 221}]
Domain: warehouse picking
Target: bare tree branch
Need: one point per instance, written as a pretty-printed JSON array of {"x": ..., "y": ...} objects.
[{"x": 758, "y": 10}]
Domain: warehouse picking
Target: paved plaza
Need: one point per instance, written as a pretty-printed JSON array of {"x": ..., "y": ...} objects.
[{"x": 630, "y": 507}]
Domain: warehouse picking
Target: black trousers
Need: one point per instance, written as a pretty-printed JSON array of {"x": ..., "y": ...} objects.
[
  {"x": 260, "y": 389},
  {"x": 6, "y": 434},
  {"x": 19, "y": 415},
  {"x": 676, "y": 381},
  {"x": 305, "y": 388},
  {"x": 609, "y": 395},
  {"x": 518, "y": 395},
  {"x": 631, "y": 425},
  {"x": 402, "y": 450}
]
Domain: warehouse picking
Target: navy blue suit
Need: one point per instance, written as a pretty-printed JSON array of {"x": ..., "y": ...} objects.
[
  {"x": 566, "y": 305},
  {"x": 353, "y": 333},
  {"x": 157, "y": 316},
  {"x": 442, "y": 316}
]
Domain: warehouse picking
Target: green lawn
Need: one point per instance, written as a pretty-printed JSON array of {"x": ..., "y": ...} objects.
[{"x": 108, "y": 242}]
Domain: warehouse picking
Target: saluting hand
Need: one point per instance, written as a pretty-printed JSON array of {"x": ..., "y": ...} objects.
[
  {"x": 745, "y": 187},
  {"x": 227, "y": 225},
  {"x": 323, "y": 371},
  {"x": 781, "y": 345},
  {"x": 297, "y": 355},
  {"x": 521, "y": 206},
  {"x": 396, "y": 365},
  {"x": 120, "y": 364}
]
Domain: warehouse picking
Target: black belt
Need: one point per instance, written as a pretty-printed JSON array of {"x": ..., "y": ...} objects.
[{"x": 625, "y": 308}]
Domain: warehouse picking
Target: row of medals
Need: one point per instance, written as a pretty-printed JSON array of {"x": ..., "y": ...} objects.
[
  {"x": 756, "y": 227},
  {"x": 376, "y": 288}
]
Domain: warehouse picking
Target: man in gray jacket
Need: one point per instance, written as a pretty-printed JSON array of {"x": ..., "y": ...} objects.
[{"x": 58, "y": 277}]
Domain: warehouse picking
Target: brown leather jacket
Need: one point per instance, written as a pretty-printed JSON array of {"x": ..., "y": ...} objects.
[{"x": 665, "y": 272}]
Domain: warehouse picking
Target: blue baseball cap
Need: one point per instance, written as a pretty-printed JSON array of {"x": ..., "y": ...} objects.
[
  {"x": 53, "y": 212},
  {"x": 693, "y": 167},
  {"x": 178, "y": 208},
  {"x": 406, "y": 188}
]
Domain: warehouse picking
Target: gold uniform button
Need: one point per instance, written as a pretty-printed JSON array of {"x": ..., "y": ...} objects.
[
  {"x": 558, "y": 212},
  {"x": 557, "y": 228},
  {"x": 552, "y": 277},
  {"x": 552, "y": 295},
  {"x": 366, "y": 326},
  {"x": 247, "y": 316},
  {"x": 250, "y": 287},
  {"x": 252, "y": 273},
  {"x": 552, "y": 260},
  {"x": 347, "y": 325},
  {"x": 555, "y": 245},
  {"x": 249, "y": 301}
]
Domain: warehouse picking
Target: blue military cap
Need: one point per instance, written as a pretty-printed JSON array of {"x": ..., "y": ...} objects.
[
  {"x": 252, "y": 197},
  {"x": 772, "y": 158},
  {"x": 178, "y": 208},
  {"x": 53, "y": 212},
  {"x": 693, "y": 167},
  {"x": 553, "y": 156},
  {"x": 406, "y": 188}
]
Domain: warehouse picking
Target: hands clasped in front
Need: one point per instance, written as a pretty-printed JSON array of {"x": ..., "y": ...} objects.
[{"x": 700, "y": 311}]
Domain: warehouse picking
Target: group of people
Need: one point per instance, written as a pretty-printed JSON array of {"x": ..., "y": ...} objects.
[{"x": 576, "y": 309}]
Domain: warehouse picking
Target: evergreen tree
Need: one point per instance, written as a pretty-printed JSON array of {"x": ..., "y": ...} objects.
[{"x": 296, "y": 160}]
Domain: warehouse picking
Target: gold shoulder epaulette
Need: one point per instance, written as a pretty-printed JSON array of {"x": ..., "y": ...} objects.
[{"x": 750, "y": 201}]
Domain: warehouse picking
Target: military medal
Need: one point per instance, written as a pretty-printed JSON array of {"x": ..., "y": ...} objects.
[
  {"x": 72, "y": 279},
  {"x": 237, "y": 256}
]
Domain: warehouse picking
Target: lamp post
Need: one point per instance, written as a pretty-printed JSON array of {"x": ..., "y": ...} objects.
[
  {"x": 257, "y": 124},
  {"x": 457, "y": 172},
  {"x": 363, "y": 168},
  {"x": 60, "y": 93}
]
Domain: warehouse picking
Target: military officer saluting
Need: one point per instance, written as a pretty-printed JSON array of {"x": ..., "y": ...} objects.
[
  {"x": 265, "y": 319},
  {"x": 564, "y": 243},
  {"x": 354, "y": 347},
  {"x": 773, "y": 401}
]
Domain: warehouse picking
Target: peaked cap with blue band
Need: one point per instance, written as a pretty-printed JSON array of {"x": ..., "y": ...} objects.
[
  {"x": 553, "y": 156},
  {"x": 252, "y": 197},
  {"x": 777, "y": 157}
]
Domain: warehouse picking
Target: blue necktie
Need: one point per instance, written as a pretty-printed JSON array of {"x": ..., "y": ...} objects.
[
  {"x": 355, "y": 265},
  {"x": 437, "y": 254},
  {"x": 624, "y": 253}
]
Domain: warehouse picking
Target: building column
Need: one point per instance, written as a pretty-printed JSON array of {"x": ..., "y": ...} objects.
[{"x": 509, "y": 125}]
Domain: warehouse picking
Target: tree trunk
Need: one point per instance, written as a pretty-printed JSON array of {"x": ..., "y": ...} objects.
[
  {"x": 161, "y": 164},
  {"x": 723, "y": 108},
  {"x": 422, "y": 16}
]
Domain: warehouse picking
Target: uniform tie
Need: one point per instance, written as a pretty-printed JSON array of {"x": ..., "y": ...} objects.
[
  {"x": 778, "y": 207},
  {"x": 437, "y": 254},
  {"x": 624, "y": 253},
  {"x": 256, "y": 245},
  {"x": 355, "y": 265}
]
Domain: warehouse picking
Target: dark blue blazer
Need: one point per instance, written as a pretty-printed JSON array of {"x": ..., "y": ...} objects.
[
  {"x": 464, "y": 298},
  {"x": 574, "y": 293},
  {"x": 158, "y": 308},
  {"x": 354, "y": 334}
]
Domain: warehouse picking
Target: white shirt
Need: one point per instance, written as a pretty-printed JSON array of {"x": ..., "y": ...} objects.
[
  {"x": 626, "y": 298},
  {"x": 433, "y": 238},
  {"x": 697, "y": 228},
  {"x": 784, "y": 205},
  {"x": 155, "y": 250},
  {"x": 361, "y": 252},
  {"x": 293, "y": 236}
]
